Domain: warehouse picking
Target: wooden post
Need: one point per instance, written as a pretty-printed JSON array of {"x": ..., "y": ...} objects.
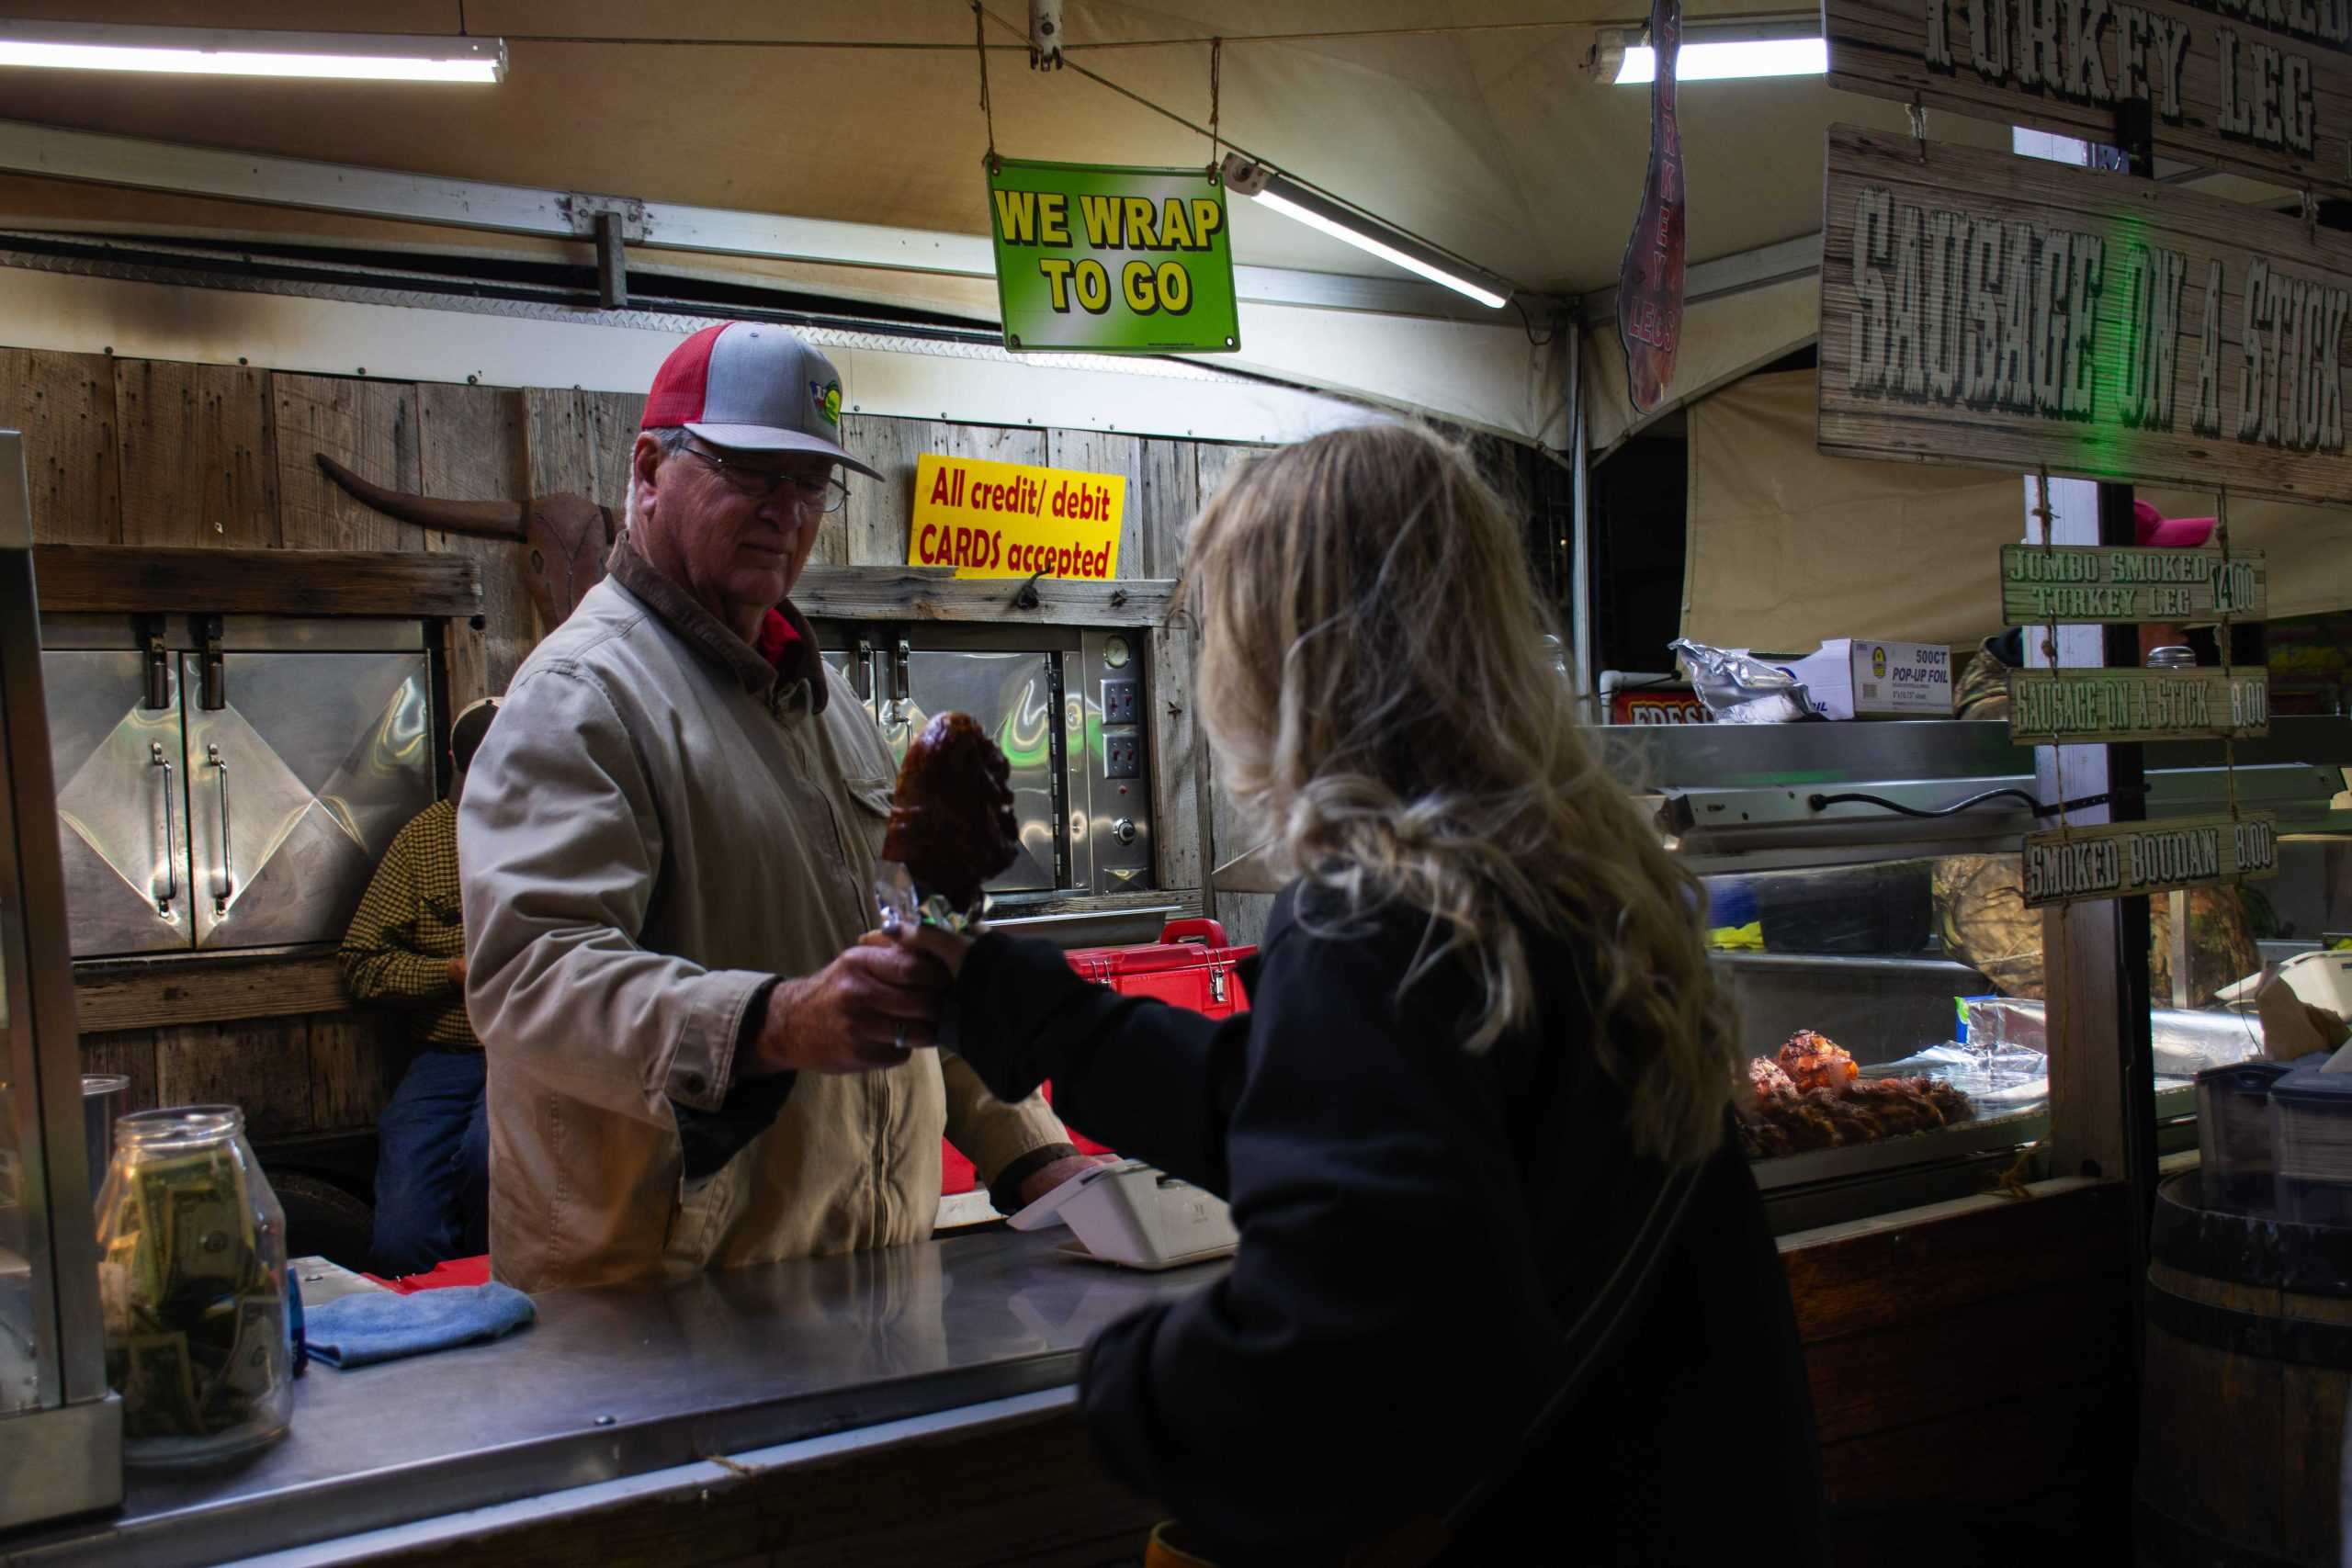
[{"x": 2095, "y": 956}]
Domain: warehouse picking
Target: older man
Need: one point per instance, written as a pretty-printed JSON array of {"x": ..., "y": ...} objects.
[{"x": 699, "y": 1053}]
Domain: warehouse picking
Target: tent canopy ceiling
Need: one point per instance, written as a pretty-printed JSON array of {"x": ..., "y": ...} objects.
[{"x": 1488, "y": 135}]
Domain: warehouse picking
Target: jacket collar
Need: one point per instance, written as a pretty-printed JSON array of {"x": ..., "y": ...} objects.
[{"x": 713, "y": 638}]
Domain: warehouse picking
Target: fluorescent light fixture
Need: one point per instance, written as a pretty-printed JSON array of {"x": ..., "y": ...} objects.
[
  {"x": 239, "y": 51},
  {"x": 1292, "y": 199},
  {"x": 1729, "y": 62},
  {"x": 1718, "y": 51}
]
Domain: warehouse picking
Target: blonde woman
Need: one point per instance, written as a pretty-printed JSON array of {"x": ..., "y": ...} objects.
[{"x": 1484, "y": 1046}]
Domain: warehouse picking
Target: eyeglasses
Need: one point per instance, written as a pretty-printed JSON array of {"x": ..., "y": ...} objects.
[{"x": 824, "y": 493}]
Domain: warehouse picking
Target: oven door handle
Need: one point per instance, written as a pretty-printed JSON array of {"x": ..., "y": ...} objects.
[
  {"x": 226, "y": 884},
  {"x": 171, "y": 892}
]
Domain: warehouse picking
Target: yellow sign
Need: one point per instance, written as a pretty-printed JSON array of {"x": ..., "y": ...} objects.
[{"x": 1010, "y": 519}]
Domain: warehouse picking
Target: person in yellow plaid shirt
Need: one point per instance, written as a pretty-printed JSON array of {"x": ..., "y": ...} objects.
[{"x": 406, "y": 948}]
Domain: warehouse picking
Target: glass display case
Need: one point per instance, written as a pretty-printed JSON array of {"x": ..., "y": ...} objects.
[
  {"x": 61, "y": 1432},
  {"x": 1889, "y": 980}
]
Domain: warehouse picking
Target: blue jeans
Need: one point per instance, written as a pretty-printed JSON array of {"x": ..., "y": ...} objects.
[{"x": 432, "y": 1166}]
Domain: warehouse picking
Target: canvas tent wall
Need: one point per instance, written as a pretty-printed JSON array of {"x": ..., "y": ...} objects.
[{"x": 1787, "y": 546}]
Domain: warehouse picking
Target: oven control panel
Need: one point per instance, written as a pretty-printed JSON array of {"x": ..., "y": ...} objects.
[{"x": 1111, "y": 766}]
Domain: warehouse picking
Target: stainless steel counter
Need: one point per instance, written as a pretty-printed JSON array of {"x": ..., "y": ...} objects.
[{"x": 622, "y": 1382}]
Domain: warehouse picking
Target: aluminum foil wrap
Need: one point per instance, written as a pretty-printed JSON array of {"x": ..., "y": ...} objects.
[
  {"x": 1739, "y": 690},
  {"x": 895, "y": 905}
]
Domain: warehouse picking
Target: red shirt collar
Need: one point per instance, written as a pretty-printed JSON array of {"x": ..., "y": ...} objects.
[{"x": 779, "y": 640}]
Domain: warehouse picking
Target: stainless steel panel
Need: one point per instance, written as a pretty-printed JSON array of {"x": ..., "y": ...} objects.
[
  {"x": 1012, "y": 696},
  {"x": 72, "y": 1463},
  {"x": 242, "y": 634},
  {"x": 1741, "y": 756},
  {"x": 1110, "y": 819},
  {"x": 1093, "y": 928},
  {"x": 121, "y": 805},
  {"x": 86, "y": 631},
  {"x": 342, "y": 634},
  {"x": 297, "y": 787}
]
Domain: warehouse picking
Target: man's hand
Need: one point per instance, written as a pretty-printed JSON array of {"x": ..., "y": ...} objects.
[
  {"x": 873, "y": 1006},
  {"x": 948, "y": 947},
  {"x": 457, "y": 968},
  {"x": 1046, "y": 1178}
]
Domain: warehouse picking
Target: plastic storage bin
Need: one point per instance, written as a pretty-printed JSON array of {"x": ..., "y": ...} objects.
[
  {"x": 2312, "y": 1115},
  {"x": 2233, "y": 1136}
]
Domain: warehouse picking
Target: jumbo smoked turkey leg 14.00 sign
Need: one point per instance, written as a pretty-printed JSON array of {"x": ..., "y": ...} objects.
[
  {"x": 2260, "y": 86},
  {"x": 1999, "y": 313}
]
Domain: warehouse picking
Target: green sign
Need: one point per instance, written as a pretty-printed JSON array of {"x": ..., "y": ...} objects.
[{"x": 1112, "y": 260}]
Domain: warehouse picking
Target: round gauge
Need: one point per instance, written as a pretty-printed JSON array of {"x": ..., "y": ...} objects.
[{"x": 1114, "y": 652}]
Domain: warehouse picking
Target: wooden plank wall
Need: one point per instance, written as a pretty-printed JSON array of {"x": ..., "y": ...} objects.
[
  {"x": 155, "y": 453},
  {"x": 1972, "y": 1367}
]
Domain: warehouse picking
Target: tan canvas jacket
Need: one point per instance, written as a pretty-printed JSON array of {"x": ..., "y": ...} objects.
[{"x": 653, "y": 828}]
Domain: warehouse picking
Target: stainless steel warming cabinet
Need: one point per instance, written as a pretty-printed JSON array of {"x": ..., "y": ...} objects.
[
  {"x": 1847, "y": 919},
  {"x": 230, "y": 782},
  {"x": 1067, "y": 704}
]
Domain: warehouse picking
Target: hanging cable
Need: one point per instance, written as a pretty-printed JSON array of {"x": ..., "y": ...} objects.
[
  {"x": 1199, "y": 129},
  {"x": 1216, "y": 98},
  {"x": 2042, "y": 513},
  {"x": 980, "y": 45},
  {"x": 2223, "y": 635},
  {"x": 1528, "y": 323}
]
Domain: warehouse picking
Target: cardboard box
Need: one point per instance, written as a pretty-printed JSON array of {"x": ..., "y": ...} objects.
[{"x": 1857, "y": 678}]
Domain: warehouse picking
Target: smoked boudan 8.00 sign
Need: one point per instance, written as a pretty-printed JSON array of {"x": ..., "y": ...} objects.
[
  {"x": 2126, "y": 858},
  {"x": 2263, "y": 87},
  {"x": 2001, "y": 313},
  {"x": 2052, "y": 707},
  {"x": 2120, "y": 585},
  {"x": 1112, "y": 260}
]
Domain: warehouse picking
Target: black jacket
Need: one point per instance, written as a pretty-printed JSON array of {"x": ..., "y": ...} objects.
[{"x": 1394, "y": 1316}]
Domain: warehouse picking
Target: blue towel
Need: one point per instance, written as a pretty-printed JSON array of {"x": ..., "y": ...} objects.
[{"x": 377, "y": 1325}]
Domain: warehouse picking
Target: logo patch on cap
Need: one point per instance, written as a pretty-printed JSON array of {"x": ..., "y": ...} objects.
[{"x": 827, "y": 396}]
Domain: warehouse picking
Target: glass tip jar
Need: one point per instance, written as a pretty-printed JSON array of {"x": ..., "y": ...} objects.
[{"x": 192, "y": 1285}]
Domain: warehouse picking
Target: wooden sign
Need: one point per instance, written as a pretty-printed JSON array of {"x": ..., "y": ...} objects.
[
  {"x": 2081, "y": 707},
  {"x": 2260, "y": 86},
  {"x": 2126, "y": 860},
  {"x": 1992, "y": 312},
  {"x": 2123, "y": 586}
]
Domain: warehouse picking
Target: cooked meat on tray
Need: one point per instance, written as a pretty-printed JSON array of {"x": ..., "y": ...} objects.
[{"x": 1811, "y": 1096}]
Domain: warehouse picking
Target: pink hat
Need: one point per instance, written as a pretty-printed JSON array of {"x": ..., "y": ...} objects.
[{"x": 2155, "y": 531}]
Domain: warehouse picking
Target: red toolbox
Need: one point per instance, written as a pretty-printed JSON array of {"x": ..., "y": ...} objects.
[{"x": 1191, "y": 965}]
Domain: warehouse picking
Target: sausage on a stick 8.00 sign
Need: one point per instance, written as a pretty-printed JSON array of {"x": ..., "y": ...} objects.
[{"x": 2002, "y": 312}]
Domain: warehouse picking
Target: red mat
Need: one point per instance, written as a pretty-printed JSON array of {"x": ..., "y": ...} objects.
[{"x": 441, "y": 1276}]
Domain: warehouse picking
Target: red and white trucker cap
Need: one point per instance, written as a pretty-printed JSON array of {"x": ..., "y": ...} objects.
[{"x": 752, "y": 388}]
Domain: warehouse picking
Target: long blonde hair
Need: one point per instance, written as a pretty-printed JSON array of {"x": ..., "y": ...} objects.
[{"x": 1376, "y": 683}]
